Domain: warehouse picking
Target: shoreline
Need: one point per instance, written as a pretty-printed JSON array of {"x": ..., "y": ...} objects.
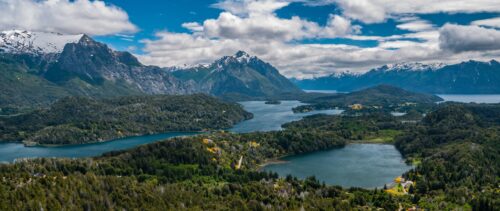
[
  {"x": 273, "y": 161},
  {"x": 35, "y": 144}
]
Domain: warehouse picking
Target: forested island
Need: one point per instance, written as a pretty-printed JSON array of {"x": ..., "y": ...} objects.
[
  {"x": 377, "y": 98},
  {"x": 79, "y": 120},
  {"x": 455, "y": 150}
]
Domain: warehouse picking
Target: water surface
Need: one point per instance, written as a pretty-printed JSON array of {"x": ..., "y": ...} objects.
[
  {"x": 266, "y": 118},
  {"x": 356, "y": 165},
  {"x": 11, "y": 151},
  {"x": 269, "y": 117},
  {"x": 466, "y": 98}
]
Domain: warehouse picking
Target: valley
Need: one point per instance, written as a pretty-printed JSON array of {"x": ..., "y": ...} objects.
[{"x": 80, "y": 118}]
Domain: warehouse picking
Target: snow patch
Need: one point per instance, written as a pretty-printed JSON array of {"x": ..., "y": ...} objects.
[{"x": 21, "y": 41}]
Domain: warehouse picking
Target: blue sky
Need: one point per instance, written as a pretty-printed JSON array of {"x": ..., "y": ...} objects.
[{"x": 302, "y": 38}]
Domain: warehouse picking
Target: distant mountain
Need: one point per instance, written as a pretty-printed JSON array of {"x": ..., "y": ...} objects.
[
  {"x": 38, "y": 67},
  {"x": 471, "y": 77},
  {"x": 240, "y": 76}
]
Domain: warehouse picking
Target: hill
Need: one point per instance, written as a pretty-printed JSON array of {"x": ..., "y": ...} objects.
[{"x": 470, "y": 77}]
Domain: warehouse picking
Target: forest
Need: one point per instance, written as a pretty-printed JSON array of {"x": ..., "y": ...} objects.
[
  {"x": 455, "y": 151},
  {"x": 375, "y": 99},
  {"x": 78, "y": 120}
]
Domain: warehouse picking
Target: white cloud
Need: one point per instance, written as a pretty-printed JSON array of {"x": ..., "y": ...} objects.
[
  {"x": 458, "y": 38},
  {"x": 250, "y": 26},
  {"x": 255, "y": 20},
  {"x": 376, "y": 11},
  {"x": 64, "y": 16},
  {"x": 367, "y": 11},
  {"x": 247, "y": 7},
  {"x": 492, "y": 22},
  {"x": 416, "y": 25}
]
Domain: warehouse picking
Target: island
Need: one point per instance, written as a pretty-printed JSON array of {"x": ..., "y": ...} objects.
[{"x": 379, "y": 98}]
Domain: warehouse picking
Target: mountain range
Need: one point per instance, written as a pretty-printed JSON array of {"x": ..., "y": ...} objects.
[
  {"x": 469, "y": 77},
  {"x": 39, "y": 67}
]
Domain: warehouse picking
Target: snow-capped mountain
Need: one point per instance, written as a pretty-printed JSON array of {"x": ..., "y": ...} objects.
[
  {"x": 240, "y": 74},
  {"x": 21, "y": 41},
  {"x": 415, "y": 66},
  {"x": 344, "y": 74},
  {"x": 466, "y": 77}
]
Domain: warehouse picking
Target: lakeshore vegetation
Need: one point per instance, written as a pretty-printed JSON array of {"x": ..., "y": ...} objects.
[
  {"x": 457, "y": 147},
  {"x": 79, "y": 120}
]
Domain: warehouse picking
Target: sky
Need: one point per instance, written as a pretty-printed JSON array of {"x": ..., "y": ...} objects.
[{"x": 302, "y": 38}]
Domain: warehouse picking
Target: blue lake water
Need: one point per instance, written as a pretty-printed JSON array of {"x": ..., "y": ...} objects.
[
  {"x": 266, "y": 118},
  {"x": 356, "y": 165},
  {"x": 269, "y": 117},
  {"x": 493, "y": 98},
  {"x": 11, "y": 151}
]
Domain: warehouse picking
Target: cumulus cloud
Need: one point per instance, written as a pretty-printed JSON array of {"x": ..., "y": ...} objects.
[
  {"x": 247, "y": 7},
  {"x": 253, "y": 26},
  {"x": 416, "y": 25},
  {"x": 492, "y": 22},
  {"x": 458, "y": 38},
  {"x": 64, "y": 16},
  {"x": 292, "y": 59},
  {"x": 376, "y": 11},
  {"x": 256, "y": 20}
]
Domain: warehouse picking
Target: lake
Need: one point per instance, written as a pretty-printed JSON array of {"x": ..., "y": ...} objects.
[
  {"x": 493, "y": 98},
  {"x": 269, "y": 117},
  {"x": 11, "y": 151},
  {"x": 266, "y": 118},
  {"x": 356, "y": 165}
]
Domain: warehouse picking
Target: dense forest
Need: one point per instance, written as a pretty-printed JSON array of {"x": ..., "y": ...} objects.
[
  {"x": 77, "y": 120},
  {"x": 458, "y": 151},
  {"x": 455, "y": 150},
  {"x": 378, "y": 98}
]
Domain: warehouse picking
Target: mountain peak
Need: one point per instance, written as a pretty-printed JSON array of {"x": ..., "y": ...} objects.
[
  {"x": 241, "y": 54},
  {"x": 410, "y": 66},
  {"x": 86, "y": 38},
  {"x": 23, "y": 41}
]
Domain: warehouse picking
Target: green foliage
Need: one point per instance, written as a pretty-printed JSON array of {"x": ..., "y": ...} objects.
[
  {"x": 374, "y": 127},
  {"x": 77, "y": 120},
  {"x": 458, "y": 170},
  {"x": 459, "y": 149},
  {"x": 378, "y": 98}
]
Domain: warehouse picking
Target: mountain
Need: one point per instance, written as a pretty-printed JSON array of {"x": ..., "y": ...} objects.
[
  {"x": 36, "y": 68},
  {"x": 240, "y": 76},
  {"x": 470, "y": 77},
  {"x": 21, "y": 41}
]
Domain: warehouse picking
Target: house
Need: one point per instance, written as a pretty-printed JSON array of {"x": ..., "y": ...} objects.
[
  {"x": 254, "y": 144},
  {"x": 356, "y": 107},
  {"x": 207, "y": 141},
  {"x": 399, "y": 180},
  {"x": 407, "y": 184},
  {"x": 214, "y": 150}
]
